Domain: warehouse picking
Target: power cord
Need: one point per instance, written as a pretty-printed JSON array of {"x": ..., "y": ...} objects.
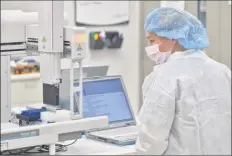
[
  {"x": 71, "y": 143},
  {"x": 17, "y": 151},
  {"x": 39, "y": 149}
]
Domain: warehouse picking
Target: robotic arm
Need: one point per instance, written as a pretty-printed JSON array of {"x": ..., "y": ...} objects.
[
  {"x": 74, "y": 46},
  {"x": 50, "y": 46}
]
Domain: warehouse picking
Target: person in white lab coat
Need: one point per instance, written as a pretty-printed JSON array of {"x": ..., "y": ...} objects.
[{"x": 187, "y": 97}]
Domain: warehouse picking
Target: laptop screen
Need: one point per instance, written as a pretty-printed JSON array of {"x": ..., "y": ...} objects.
[{"x": 106, "y": 98}]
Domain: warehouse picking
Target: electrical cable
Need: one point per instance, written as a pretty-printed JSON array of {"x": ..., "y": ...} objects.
[
  {"x": 19, "y": 151},
  {"x": 71, "y": 143},
  {"x": 40, "y": 149}
]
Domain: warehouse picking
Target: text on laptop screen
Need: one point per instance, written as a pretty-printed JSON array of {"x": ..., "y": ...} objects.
[{"x": 106, "y": 98}]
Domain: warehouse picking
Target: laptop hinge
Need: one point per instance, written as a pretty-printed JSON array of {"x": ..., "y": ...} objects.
[{"x": 129, "y": 124}]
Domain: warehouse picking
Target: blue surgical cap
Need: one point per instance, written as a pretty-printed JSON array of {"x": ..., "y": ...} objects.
[{"x": 176, "y": 24}]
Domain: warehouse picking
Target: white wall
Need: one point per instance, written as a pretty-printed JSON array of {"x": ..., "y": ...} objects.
[
  {"x": 27, "y": 6},
  {"x": 125, "y": 61},
  {"x": 218, "y": 23}
]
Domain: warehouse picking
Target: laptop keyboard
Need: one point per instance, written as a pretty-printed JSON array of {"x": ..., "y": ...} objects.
[
  {"x": 123, "y": 133},
  {"x": 121, "y": 130}
]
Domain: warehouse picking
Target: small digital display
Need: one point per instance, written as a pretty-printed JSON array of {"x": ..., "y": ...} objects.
[{"x": 79, "y": 38}]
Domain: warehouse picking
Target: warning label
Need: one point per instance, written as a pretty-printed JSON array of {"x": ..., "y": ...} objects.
[{"x": 79, "y": 48}]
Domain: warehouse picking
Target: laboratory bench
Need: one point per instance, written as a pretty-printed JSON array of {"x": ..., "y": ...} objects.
[{"x": 84, "y": 146}]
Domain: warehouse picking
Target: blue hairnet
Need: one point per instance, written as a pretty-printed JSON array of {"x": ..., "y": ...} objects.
[{"x": 177, "y": 24}]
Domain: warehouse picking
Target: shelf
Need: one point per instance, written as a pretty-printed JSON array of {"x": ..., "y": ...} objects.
[{"x": 25, "y": 77}]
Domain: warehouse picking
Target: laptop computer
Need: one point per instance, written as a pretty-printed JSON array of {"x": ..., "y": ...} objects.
[
  {"x": 107, "y": 96},
  {"x": 64, "y": 89}
]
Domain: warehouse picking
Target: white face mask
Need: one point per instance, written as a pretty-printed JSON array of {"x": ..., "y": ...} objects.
[{"x": 154, "y": 54}]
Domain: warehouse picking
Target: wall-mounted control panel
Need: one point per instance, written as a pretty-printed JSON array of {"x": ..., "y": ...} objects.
[
  {"x": 96, "y": 40},
  {"x": 108, "y": 39}
]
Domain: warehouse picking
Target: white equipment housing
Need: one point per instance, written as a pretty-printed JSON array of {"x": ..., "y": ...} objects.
[
  {"x": 11, "y": 45},
  {"x": 53, "y": 42}
]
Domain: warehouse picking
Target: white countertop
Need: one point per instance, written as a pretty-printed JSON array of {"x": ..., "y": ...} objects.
[{"x": 91, "y": 147}]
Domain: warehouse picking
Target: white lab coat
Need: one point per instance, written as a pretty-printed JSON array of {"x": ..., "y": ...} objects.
[{"x": 187, "y": 107}]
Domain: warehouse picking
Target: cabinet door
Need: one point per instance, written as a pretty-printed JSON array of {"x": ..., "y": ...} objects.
[{"x": 5, "y": 89}]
